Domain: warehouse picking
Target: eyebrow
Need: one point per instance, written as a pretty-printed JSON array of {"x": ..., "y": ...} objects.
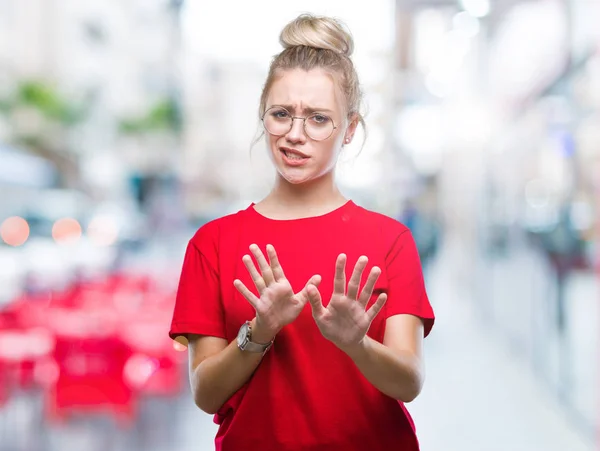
[{"x": 306, "y": 109}]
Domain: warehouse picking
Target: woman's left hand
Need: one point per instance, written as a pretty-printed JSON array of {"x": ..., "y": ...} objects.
[{"x": 345, "y": 321}]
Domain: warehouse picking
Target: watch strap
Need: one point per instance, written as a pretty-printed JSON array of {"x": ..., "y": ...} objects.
[
  {"x": 251, "y": 346},
  {"x": 257, "y": 347}
]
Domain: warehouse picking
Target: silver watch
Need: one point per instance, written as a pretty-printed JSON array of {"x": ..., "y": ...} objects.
[{"x": 245, "y": 343}]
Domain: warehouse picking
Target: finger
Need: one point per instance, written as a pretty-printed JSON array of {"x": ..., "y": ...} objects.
[
  {"x": 367, "y": 290},
  {"x": 276, "y": 268},
  {"x": 315, "y": 281},
  {"x": 244, "y": 291},
  {"x": 259, "y": 283},
  {"x": 339, "y": 281},
  {"x": 265, "y": 269},
  {"x": 376, "y": 307},
  {"x": 314, "y": 298},
  {"x": 354, "y": 283}
]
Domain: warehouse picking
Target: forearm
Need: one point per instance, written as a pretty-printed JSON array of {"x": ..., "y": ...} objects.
[
  {"x": 218, "y": 377},
  {"x": 398, "y": 375}
]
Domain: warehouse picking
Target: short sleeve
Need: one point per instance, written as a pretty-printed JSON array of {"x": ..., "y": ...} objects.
[
  {"x": 198, "y": 306},
  {"x": 406, "y": 286}
]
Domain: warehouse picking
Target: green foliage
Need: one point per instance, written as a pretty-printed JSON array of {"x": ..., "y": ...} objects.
[
  {"x": 44, "y": 98},
  {"x": 30, "y": 141},
  {"x": 163, "y": 116},
  {"x": 5, "y": 106}
]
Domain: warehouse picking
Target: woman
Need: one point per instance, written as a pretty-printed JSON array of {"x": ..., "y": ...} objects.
[{"x": 278, "y": 374}]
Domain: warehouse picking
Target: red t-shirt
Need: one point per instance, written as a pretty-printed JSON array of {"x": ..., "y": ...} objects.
[{"x": 306, "y": 394}]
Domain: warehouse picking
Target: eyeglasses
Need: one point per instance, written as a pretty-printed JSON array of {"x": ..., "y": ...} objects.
[{"x": 278, "y": 121}]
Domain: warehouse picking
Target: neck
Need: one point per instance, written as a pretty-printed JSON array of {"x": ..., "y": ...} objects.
[{"x": 321, "y": 193}]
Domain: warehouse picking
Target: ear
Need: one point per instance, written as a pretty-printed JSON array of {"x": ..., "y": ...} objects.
[{"x": 354, "y": 120}]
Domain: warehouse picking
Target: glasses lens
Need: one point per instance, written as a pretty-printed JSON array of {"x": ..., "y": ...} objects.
[
  {"x": 318, "y": 126},
  {"x": 277, "y": 121}
]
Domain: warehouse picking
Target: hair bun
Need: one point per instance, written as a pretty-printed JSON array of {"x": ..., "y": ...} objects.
[{"x": 318, "y": 32}]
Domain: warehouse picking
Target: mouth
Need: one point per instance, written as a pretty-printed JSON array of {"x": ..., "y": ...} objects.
[{"x": 292, "y": 154}]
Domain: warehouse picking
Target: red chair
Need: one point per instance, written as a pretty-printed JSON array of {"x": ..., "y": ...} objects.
[
  {"x": 4, "y": 384},
  {"x": 90, "y": 365},
  {"x": 155, "y": 368}
]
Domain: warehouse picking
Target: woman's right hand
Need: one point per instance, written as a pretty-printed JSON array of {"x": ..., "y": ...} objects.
[{"x": 277, "y": 304}]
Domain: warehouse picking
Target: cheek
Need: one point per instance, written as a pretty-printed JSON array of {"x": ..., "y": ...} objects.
[
  {"x": 271, "y": 144},
  {"x": 336, "y": 142},
  {"x": 328, "y": 152}
]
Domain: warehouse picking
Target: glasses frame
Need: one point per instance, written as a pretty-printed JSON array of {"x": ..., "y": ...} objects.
[{"x": 292, "y": 123}]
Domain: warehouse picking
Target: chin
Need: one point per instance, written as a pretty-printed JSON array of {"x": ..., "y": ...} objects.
[
  {"x": 295, "y": 179},
  {"x": 305, "y": 177}
]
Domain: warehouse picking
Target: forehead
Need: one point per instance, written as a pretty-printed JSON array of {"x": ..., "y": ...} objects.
[{"x": 303, "y": 89}]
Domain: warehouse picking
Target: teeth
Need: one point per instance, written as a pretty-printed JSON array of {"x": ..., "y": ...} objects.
[{"x": 292, "y": 156}]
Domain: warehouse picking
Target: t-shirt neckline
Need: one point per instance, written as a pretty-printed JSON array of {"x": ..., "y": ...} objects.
[{"x": 330, "y": 214}]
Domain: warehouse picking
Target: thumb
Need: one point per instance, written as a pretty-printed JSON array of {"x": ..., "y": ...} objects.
[
  {"x": 314, "y": 297},
  {"x": 314, "y": 280}
]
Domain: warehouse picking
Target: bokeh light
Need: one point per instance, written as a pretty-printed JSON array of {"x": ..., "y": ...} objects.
[
  {"x": 180, "y": 344},
  {"x": 14, "y": 231},
  {"x": 66, "y": 230},
  {"x": 103, "y": 231}
]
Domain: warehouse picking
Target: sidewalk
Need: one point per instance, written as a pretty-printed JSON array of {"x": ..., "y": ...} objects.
[{"x": 477, "y": 396}]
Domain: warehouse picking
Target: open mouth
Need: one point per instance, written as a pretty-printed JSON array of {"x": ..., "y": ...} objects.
[{"x": 293, "y": 156}]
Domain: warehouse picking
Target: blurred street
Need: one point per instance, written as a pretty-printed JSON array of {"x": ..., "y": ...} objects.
[
  {"x": 479, "y": 394},
  {"x": 126, "y": 125}
]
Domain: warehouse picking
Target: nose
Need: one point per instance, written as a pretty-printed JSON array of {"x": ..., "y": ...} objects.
[{"x": 296, "y": 133}]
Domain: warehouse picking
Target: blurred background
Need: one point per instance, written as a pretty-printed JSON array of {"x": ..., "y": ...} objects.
[{"x": 127, "y": 124}]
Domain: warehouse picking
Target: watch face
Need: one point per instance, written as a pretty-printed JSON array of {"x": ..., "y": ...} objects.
[{"x": 242, "y": 337}]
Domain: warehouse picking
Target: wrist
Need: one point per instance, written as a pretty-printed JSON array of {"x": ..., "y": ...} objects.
[
  {"x": 260, "y": 334},
  {"x": 356, "y": 350}
]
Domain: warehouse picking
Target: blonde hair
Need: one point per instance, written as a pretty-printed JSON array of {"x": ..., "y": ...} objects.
[{"x": 311, "y": 42}]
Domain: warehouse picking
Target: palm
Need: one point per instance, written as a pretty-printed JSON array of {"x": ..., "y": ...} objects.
[
  {"x": 345, "y": 321},
  {"x": 277, "y": 305}
]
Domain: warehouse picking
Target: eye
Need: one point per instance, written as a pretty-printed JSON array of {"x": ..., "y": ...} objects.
[
  {"x": 319, "y": 118},
  {"x": 280, "y": 114}
]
